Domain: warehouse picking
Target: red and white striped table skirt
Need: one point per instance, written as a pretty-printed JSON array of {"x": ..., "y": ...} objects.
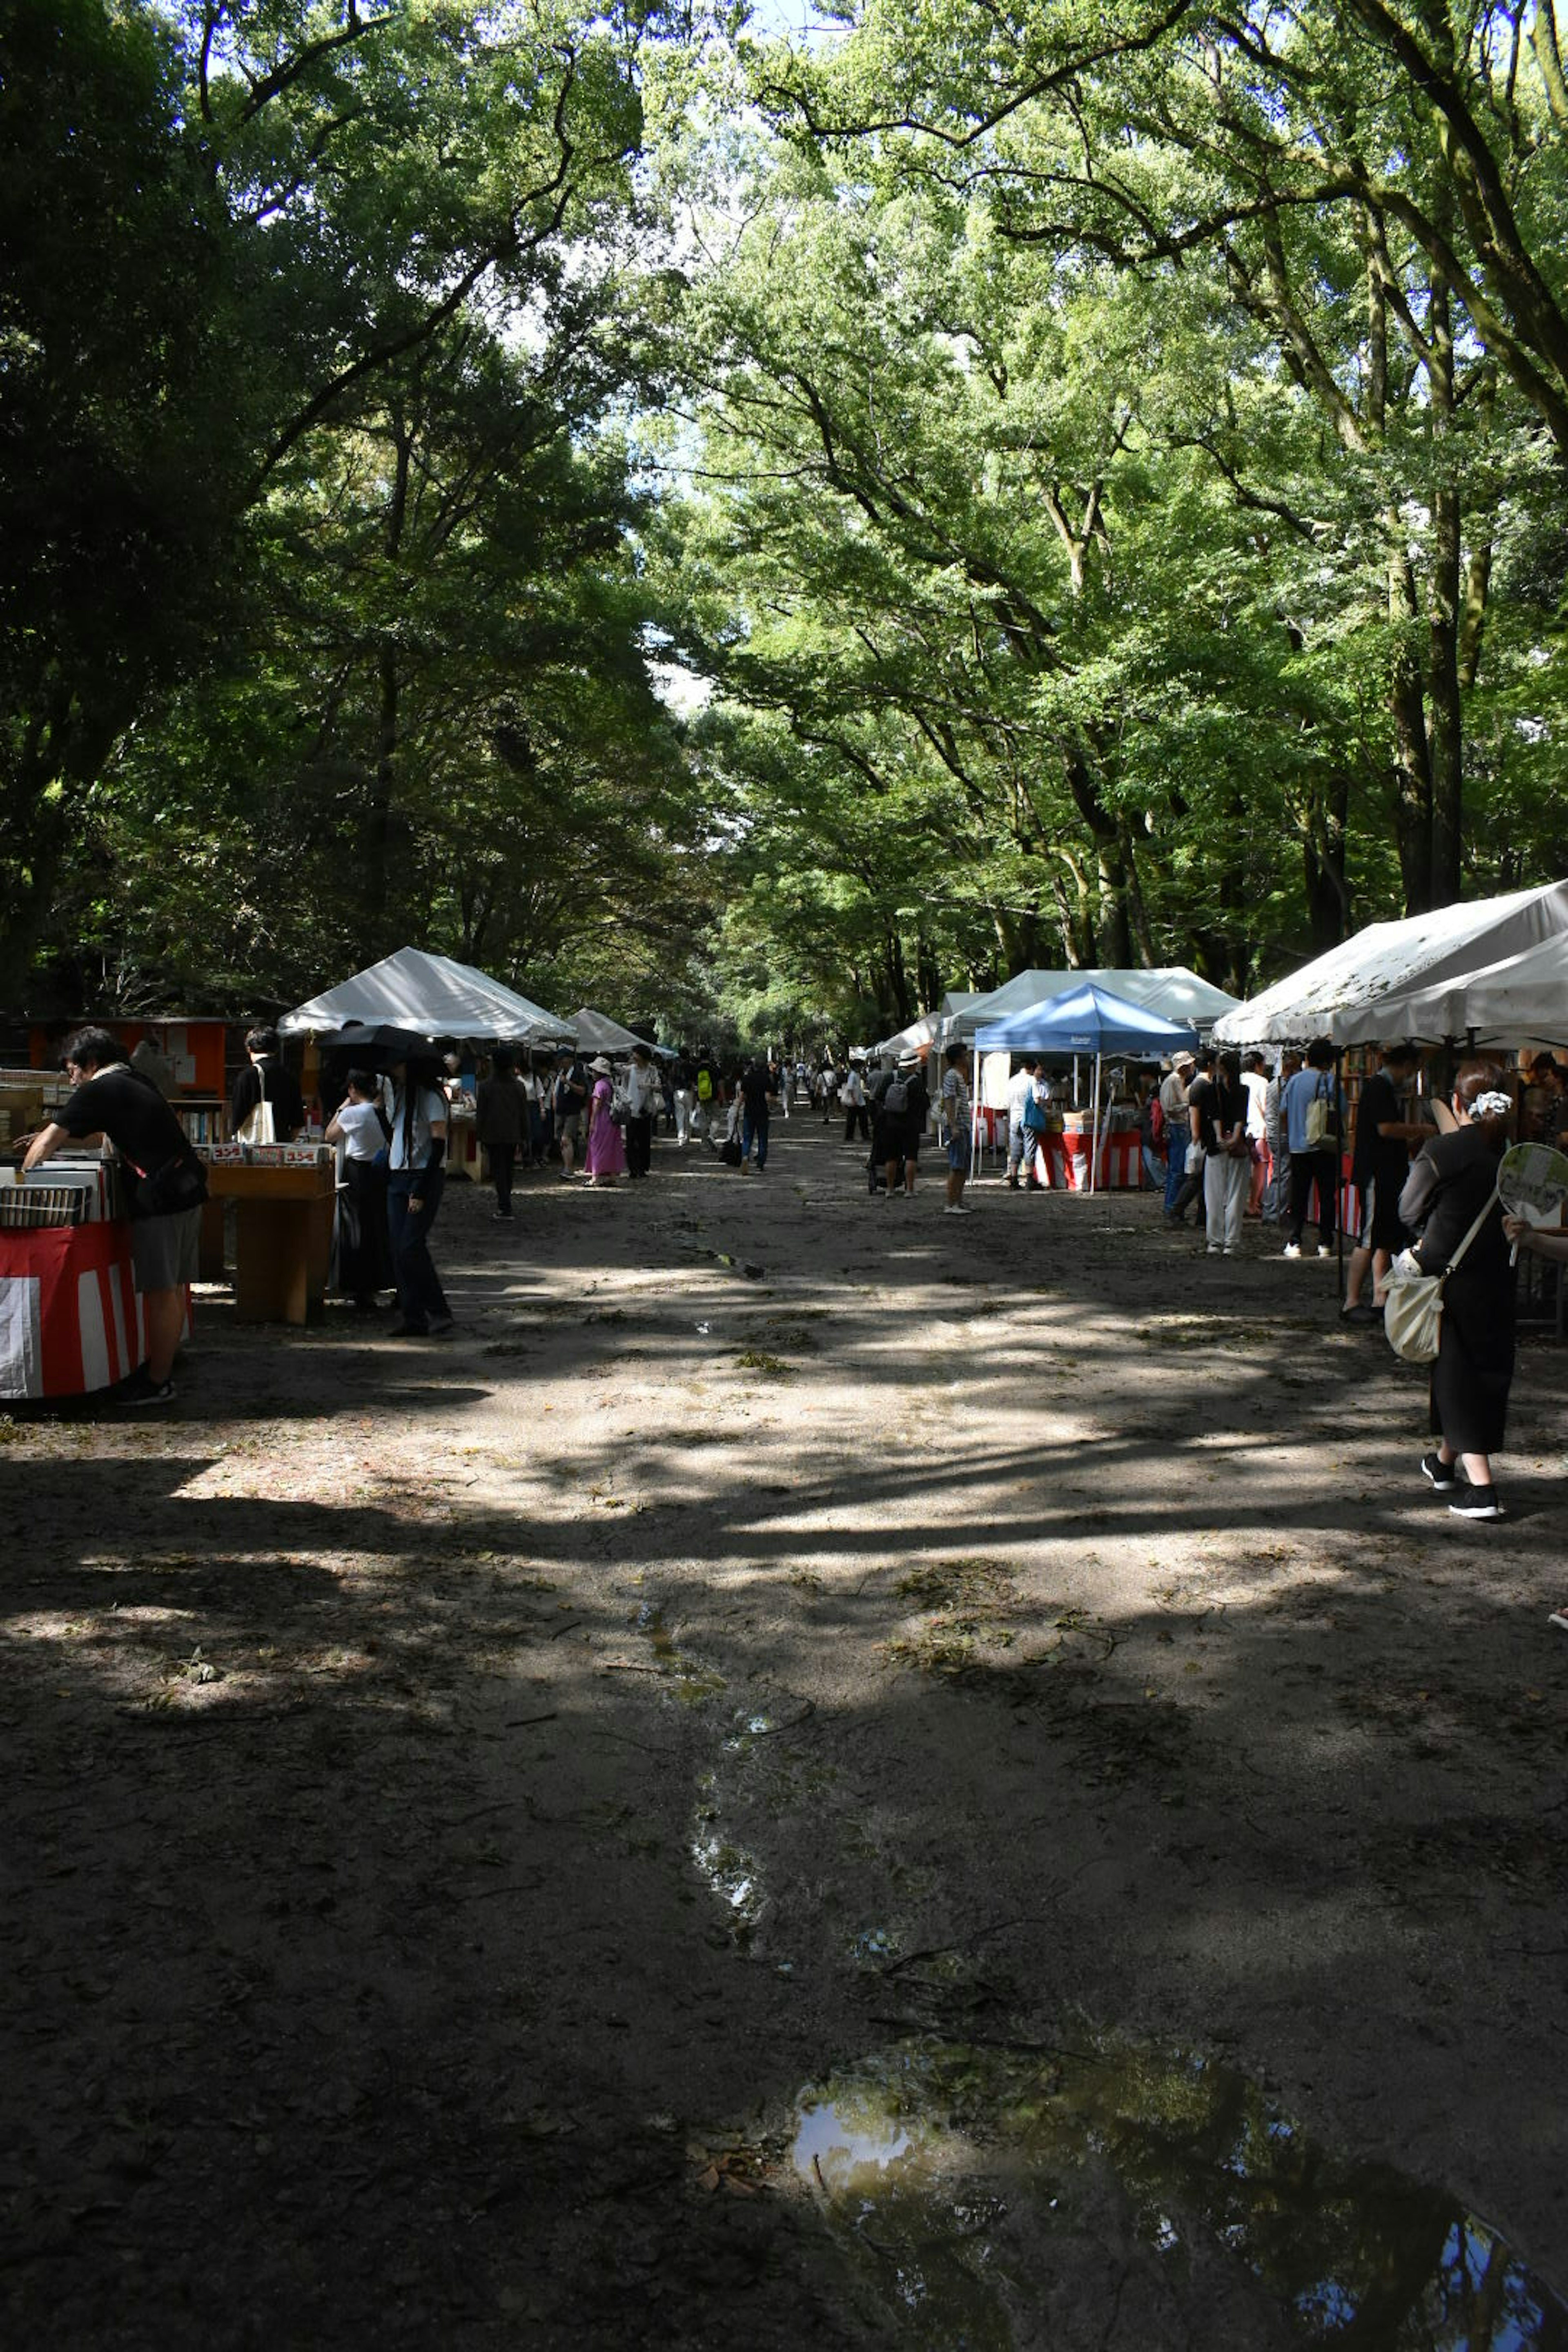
[{"x": 70, "y": 1321}]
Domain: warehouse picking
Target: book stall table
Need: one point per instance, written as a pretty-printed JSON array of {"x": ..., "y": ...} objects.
[
  {"x": 70, "y": 1320},
  {"x": 283, "y": 1196},
  {"x": 1120, "y": 1160}
]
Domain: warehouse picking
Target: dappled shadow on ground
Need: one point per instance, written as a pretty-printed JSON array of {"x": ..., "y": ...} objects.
[{"x": 449, "y": 1787}]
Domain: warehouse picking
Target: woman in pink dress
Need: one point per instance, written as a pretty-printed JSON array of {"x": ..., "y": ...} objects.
[{"x": 607, "y": 1157}]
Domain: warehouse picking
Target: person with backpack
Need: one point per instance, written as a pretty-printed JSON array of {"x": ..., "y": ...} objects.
[
  {"x": 1314, "y": 1110},
  {"x": 904, "y": 1103}
]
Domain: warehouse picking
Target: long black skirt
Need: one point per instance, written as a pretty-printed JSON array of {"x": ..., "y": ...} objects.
[
  {"x": 365, "y": 1247},
  {"x": 1474, "y": 1371}
]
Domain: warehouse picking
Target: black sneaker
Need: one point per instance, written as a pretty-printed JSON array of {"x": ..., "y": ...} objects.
[
  {"x": 1445, "y": 1475},
  {"x": 440, "y": 1325},
  {"x": 1477, "y": 1503},
  {"x": 1359, "y": 1313},
  {"x": 150, "y": 1392}
]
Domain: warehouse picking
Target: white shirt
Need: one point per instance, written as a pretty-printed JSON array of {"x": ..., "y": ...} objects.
[
  {"x": 429, "y": 1109},
  {"x": 642, "y": 1089},
  {"x": 1256, "y": 1087},
  {"x": 1020, "y": 1087},
  {"x": 362, "y": 1130}
]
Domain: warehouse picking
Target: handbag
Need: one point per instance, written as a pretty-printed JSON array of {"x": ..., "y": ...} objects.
[
  {"x": 1413, "y": 1301},
  {"x": 181, "y": 1183},
  {"x": 260, "y": 1124},
  {"x": 1323, "y": 1122}
]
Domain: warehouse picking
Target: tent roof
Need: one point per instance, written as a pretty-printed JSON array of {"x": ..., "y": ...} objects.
[
  {"x": 597, "y": 1033},
  {"x": 1523, "y": 997},
  {"x": 908, "y": 1041},
  {"x": 1169, "y": 990},
  {"x": 433, "y": 995},
  {"x": 1351, "y": 995},
  {"x": 1089, "y": 1020}
]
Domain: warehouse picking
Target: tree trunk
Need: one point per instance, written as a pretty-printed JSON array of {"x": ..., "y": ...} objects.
[
  {"x": 383, "y": 831},
  {"x": 1446, "y": 718},
  {"x": 1406, "y": 704}
]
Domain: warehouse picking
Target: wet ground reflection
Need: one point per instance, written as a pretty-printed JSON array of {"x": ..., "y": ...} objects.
[{"x": 948, "y": 2173}]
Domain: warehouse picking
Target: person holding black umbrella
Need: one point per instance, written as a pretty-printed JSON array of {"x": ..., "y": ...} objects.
[{"x": 414, "y": 1185}]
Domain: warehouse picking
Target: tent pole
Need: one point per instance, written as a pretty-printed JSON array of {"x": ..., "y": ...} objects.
[
  {"x": 974, "y": 1112},
  {"x": 1339, "y": 1178},
  {"x": 1094, "y": 1142}
]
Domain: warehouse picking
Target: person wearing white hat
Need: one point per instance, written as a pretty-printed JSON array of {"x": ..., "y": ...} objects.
[
  {"x": 1177, "y": 1129},
  {"x": 607, "y": 1154}
]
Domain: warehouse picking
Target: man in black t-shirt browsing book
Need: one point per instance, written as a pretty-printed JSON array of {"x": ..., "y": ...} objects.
[{"x": 112, "y": 1098}]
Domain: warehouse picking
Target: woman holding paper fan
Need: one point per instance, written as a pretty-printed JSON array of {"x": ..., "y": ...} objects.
[{"x": 1453, "y": 1184}]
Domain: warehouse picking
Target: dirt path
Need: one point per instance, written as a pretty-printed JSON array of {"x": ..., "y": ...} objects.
[{"x": 1006, "y": 1674}]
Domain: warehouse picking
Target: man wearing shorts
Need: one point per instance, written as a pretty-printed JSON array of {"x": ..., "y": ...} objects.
[
  {"x": 1385, "y": 1138},
  {"x": 957, "y": 1123},
  {"x": 112, "y": 1098}
]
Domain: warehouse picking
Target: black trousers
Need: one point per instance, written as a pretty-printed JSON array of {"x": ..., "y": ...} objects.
[
  {"x": 503, "y": 1159},
  {"x": 1322, "y": 1169},
  {"x": 639, "y": 1144}
]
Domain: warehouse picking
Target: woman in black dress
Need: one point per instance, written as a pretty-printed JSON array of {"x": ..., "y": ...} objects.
[{"x": 1447, "y": 1188}]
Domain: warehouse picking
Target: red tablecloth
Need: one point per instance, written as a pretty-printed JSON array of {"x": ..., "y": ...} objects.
[
  {"x": 1121, "y": 1168},
  {"x": 1067, "y": 1162},
  {"x": 70, "y": 1321}
]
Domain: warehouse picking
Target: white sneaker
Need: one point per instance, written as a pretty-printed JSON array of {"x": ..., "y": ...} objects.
[
  {"x": 1213, "y": 1250},
  {"x": 1292, "y": 1249},
  {"x": 1323, "y": 1250}
]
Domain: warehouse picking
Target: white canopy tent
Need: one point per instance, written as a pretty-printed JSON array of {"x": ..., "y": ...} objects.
[
  {"x": 1171, "y": 990},
  {"x": 1522, "y": 999},
  {"x": 433, "y": 996},
  {"x": 929, "y": 1027},
  {"x": 1353, "y": 994},
  {"x": 908, "y": 1041},
  {"x": 597, "y": 1033}
]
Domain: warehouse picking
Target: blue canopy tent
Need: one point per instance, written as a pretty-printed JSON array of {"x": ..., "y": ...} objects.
[{"x": 1089, "y": 1021}]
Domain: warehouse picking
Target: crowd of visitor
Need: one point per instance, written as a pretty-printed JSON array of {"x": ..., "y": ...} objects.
[{"x": 1248, "y": 1138}]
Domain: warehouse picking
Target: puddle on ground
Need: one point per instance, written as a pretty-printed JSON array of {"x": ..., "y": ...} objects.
[
  {"x": 730, "y": 1872},
  {"x": 694, "y": 1684},
  {"x": 969, "y": 2186}
]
